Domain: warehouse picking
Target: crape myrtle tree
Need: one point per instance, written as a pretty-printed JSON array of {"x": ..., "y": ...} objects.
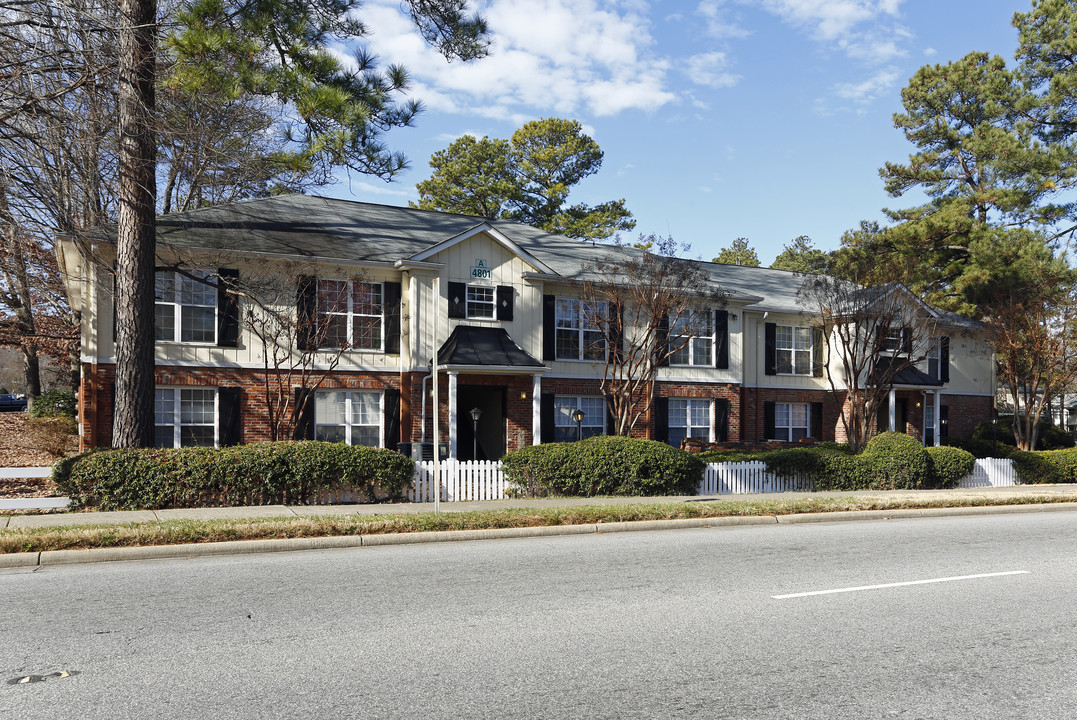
[
  {"x": 646, "y": 306},
  {"x": 871, "y": 335},
  {"x": 527, "y": 178},
  {"x": 1026, "y": 294},
  {"x": 270, "y": 48}
]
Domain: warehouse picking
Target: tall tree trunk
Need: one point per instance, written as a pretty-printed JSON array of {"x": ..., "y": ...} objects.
[{"x": 136, "y": 232}]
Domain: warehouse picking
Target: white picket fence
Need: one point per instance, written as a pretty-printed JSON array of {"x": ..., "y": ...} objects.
[{"x": 467, "y": 481}]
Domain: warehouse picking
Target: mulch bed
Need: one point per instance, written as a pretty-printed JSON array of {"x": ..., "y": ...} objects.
[{"x": 17, "y": 450}]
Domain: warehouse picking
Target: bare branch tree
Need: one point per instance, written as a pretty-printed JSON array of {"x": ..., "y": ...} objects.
[{"x": 644, "y": 306}]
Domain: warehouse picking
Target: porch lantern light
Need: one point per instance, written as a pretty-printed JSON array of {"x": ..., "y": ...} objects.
[
  {"x": 475, "y": 413},
  {"x": 577, "y": 417}
]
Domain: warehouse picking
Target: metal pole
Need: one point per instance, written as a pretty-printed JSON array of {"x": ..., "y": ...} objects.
[{"x": 436, "y": 286}]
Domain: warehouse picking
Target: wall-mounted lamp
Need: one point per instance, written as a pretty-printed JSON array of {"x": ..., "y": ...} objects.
[{"x": 732, "y": 316}]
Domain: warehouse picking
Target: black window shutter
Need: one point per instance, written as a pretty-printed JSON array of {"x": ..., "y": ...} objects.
[
  {"x": 817, "y": 352},
  {"x": 944, "y": 359},
  {"x": 661, "y": 419},
  {"x": 546, "y": 417},
  {"x": 661, "y": 342},
  {"x": 768, "y": 421},
  {"x": 549, "y": 319},
  {"x": 611, "y": 421},
  {"x": 817, "y": 420},
  {"x": 391, "y": 307},
  {"x": 721, "y": 419},
  {"x": 229, "y": 422},
  {"x": 457, "y": 300},
  {"x": 227, "y": 308},
  {"x": 306, "y": 301},
  {"x": 303, "y": 414},
  {"x": 906, "y": 341},
  {"x": 721, "y": 339},
  {"x": 391, "y": 418},
  {"x": 944, "y": 422},
  {"x": 617, "y": 317},
  {"x": 505, "y": 295},
  {"x": 770, "y": 348}
]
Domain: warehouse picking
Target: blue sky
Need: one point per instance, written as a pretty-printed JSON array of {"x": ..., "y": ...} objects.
[{"x": 719, "y": 119}]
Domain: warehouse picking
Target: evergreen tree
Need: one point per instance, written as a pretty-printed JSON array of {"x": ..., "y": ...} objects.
[
  {"x": 527, "y": 178},
  {"x": 738, "y": 253},
  {"x": 802, "y": 257}
]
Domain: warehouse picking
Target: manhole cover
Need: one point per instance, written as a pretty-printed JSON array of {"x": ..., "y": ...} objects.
[{"x": 27, "y": 679}]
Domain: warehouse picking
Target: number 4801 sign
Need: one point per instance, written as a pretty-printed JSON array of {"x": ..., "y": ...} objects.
[{"x": 479, "y": 271}]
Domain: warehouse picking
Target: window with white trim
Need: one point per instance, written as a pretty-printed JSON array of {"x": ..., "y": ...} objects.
[
  {"x": 929, "y": 423},
  {"x": 348, "y": 416},
  {"x": 184, "y": 309},
  {"x": 480, "y": 302},
  {"x": 793, "y": 350},
  {"x": 350, "y": 314},
  {"x": 689, "y": 418},
  {"x": 934, "y": 354},
  {"x": 792, "y": 421},
  {"x": 185, "y": 417},
  {"x": 578, "y": 335},
  {"x": 594, "y": 417},
  {"x": 695, "y": 331}
]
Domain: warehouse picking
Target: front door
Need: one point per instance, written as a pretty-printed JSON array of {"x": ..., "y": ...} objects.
[{"x": 485, "y": 439}]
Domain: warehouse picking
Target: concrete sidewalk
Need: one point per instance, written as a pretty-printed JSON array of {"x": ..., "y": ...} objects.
[{"x": 1056, "y": 493}]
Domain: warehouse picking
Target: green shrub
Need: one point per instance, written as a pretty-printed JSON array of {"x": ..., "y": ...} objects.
[
  {"x": 1050, "y": 437},
  {"x": 895, "y": 461},
  {"x": 54, "y": 403},
  {"x": 603, "y": 465},
  {"x": 256, "y": 474},
  {"x": 949, "y": 465}
]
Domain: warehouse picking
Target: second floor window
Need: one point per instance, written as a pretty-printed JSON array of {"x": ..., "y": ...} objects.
[
  {"x": 793, "y": 353},
  {"x": 185, "y": 309},
  {"x": 579, "y": 335},
  {"x": 350, "y": 314},
  {"x": 480, "y": 301},
  {"x": 695, "y": 332}
]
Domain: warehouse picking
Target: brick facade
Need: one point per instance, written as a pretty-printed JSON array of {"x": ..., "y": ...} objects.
[{"x": 745, "y": 404}]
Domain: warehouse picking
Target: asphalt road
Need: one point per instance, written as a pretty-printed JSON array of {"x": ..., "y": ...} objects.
[{"x": 678, "y": 624}]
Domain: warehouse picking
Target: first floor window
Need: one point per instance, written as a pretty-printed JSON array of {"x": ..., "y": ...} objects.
[
  {"x": 689, "y": 418},
  {"x": 792, "y": 421},
  {"x": 348, "y": 416},
  {"x": 185, "y": 417},
  {"x": 480, "y": 301},
  {"x": 594, "y": 417},
  {"x": 185, "y": 309}
]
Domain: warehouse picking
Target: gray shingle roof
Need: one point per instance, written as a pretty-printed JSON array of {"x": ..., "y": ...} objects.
[{"x": 310, "y": 226}]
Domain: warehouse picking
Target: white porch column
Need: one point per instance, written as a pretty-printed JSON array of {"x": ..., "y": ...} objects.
[
  {"x": 536, "y": 410},
  {"x": 938, "y": 418},
  {"x": 893, "y": 410},
  {"x": 453, "y": 434}
]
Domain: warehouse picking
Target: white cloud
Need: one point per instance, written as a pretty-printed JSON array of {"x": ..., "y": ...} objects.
[
  {"x": 831, "y": 19},
  {"x": 930, "y": 52},
  {"x": 559, "y": 56},
  {"x": 710, "y": 69},
  {"x": 721, "y": 23},
  {"x": 866, "y": 91}
]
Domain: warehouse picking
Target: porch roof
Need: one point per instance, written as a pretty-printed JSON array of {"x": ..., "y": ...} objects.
[
  {"x": 909, "y": 375},
  {"x": 474, "y": 346}
]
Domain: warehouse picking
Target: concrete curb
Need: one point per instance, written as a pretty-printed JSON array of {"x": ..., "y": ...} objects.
[{"x": 243, "y": 547}]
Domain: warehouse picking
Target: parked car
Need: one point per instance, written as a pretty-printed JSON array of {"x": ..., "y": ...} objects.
[{"x": 12, "y": 403}]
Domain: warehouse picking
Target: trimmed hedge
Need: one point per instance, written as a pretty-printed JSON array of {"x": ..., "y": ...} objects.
[
  {"x": 1050, "y": 437},
  {"x": 256, "y": 474},
  {"x": 948, "y": 465},
  {"x": 600, "y": 466},
  {"x": 54, "y": 403}
]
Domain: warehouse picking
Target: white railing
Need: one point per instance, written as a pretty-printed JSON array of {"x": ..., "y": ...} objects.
[
  {"x": 466, "y": 481},
  {"x": 485, "y": 481},
  {"x": 991, "y": 472},
  {"x": 21, "y": 473}
]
